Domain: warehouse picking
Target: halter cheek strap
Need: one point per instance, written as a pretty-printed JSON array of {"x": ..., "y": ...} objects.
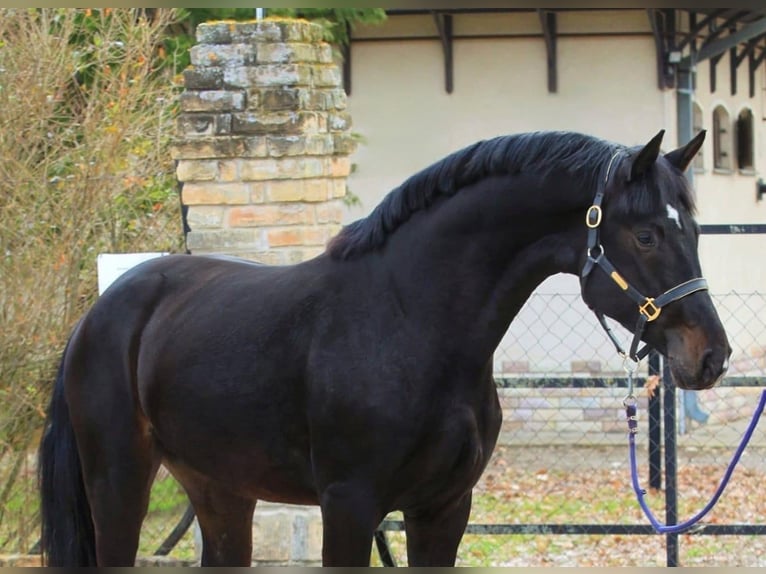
[{"x": 649, "y": 308}]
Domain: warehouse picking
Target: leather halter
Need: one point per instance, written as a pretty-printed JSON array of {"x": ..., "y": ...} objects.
[{"x": 649, "y": 308}]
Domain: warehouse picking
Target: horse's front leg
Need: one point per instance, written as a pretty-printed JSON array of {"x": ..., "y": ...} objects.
[
  {"x": 350, "y": 515},
  {"x": 433, "y": 537}
]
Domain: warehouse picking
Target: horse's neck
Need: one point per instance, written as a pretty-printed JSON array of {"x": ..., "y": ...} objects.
[{"x": 484, "y": 255}]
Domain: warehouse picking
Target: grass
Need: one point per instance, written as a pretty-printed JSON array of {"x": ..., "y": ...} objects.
[
  {"x": 167, "y": 504},
  {"x": 167, "y": 496}
]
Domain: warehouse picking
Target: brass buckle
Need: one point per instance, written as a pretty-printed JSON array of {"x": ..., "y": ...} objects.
[
  {"x": 649, "y": 309},
  {"x": 593, "y": 216}
]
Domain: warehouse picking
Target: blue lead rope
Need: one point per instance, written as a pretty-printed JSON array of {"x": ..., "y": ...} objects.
[{"x": 630, "y": 409}]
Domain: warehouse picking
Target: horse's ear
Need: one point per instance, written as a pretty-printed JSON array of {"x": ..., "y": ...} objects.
[
  {"x": 645, "y": 159},
  {"x": 682, "y": 157}
]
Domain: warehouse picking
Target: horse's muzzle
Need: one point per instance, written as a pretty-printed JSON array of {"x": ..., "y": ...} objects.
[{"x": 711, "y": 367}]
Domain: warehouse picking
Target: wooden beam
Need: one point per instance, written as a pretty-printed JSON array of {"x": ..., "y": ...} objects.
[
  {"x": 663, "y": 23},
  {"x": 753, "y": 63},
  {"x": 713, "y": 63},
  {"x": 716, "y": 47},
  {"x": 696, "y": 28},
  {"x": 715, "y": 32},
  {"x": 733, "y": 66},
  {"x": 548, "y": 22},
  {"x": 444, "y": 27},
  {"x": 346, "y": 52},
  {"x": 737, "y": 59}
]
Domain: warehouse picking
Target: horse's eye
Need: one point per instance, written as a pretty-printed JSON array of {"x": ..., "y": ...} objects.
[{"x": 645, "y": 238}]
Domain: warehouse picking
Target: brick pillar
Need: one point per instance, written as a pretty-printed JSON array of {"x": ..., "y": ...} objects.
[{"x": 263, "y": 141}]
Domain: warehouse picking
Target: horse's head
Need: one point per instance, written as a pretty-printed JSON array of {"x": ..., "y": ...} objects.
[{"x": 642, "y": 261}]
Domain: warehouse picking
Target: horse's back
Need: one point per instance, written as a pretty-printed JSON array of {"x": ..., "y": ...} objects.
[
  {"x": 166, "y": 300},
  {"x": 209, "y": 351}
]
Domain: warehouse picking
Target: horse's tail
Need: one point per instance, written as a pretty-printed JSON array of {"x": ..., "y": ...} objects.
[{"x": 67, "y": 535}]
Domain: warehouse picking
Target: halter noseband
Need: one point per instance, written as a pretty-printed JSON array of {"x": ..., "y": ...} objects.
[{"x": 649, "y": 308}]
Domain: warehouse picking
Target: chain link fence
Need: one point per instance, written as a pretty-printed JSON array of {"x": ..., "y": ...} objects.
[{"x": 558, "y": 490}]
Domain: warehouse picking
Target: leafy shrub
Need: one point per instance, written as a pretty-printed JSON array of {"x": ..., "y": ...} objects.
[{"x": 86, "y": 115}]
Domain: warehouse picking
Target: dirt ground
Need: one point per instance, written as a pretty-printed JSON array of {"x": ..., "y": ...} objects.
[{"x": 596, "y": 475}]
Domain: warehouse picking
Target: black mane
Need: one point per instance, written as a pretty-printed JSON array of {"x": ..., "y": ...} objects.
[{"x": 583, "y": 157}]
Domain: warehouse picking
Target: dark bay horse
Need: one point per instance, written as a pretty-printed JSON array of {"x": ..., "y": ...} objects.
[{"x": 361, "y": 380}]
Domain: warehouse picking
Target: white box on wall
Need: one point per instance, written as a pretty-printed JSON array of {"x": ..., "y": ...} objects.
[{"x": 112, "y": 265}]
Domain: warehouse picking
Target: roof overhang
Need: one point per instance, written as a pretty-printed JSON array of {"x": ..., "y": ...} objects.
[{"x": 684, "y": 37}]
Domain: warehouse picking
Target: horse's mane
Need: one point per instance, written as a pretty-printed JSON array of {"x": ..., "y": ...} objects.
[{"x": 584, "y": 158}]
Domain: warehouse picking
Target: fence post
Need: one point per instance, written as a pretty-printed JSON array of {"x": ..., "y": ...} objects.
[
  {"x": 671, "y": 460},
  {"x": 655, "y": 427}
]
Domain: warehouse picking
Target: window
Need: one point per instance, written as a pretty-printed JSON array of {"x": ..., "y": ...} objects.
[
  {"x": 721, "y": 139},
  {"x": 744, "y": 135},
  {"x": 697, "y": 126}
]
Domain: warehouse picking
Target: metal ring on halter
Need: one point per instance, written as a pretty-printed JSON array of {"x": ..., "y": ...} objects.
[
  {"x": 600, "y": 249},
  {"x": 629, "y": 365}
]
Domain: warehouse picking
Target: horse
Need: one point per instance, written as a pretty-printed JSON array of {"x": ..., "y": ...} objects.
[{"x": 361, "y": 380}]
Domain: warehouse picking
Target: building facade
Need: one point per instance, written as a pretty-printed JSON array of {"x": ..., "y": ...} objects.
[{"x": 425, "y": 83}]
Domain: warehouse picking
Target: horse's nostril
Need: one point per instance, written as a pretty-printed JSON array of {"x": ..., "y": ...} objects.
[{"x": 713, "y": 367}]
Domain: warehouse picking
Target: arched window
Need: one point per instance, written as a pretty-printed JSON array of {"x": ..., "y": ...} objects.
[
  {"x": 721, "y": 139},
  {"x": 697, "y": 127},
  {"x": 744, "y": 134}
]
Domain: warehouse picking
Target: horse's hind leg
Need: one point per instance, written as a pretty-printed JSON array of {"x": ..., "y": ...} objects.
[
  {"x": 118, "y": 470},
  {"x": 226, "y": 522},
  {"x": 118, "y": 454},
  {"x": 433, "y": 538}
]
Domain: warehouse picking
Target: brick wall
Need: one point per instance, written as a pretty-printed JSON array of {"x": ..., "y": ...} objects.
[{"x": 263, "y": 141}]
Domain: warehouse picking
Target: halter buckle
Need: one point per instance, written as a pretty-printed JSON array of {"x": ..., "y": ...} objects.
[
  {"x": 593, "y": 216},
  {"x": 649, "y": 309}
]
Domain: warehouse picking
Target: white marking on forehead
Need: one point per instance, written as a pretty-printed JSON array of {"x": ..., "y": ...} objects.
[{"x": 673, "y": 214}]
